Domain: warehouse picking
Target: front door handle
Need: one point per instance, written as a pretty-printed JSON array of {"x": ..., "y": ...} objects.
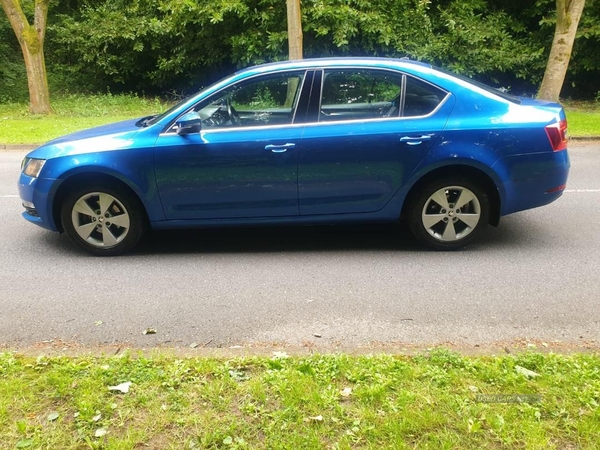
[
  {"x": 279, "y": 148},
  {"x": 416, "y": 140}
]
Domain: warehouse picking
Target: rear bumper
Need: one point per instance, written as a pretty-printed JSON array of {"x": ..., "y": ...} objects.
[{"x": 532, "y": 180}]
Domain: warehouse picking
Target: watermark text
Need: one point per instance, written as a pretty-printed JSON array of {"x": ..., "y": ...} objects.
[{"x": 509, "y": 398}]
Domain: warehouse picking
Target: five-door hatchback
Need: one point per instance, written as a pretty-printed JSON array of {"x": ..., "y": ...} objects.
[{"x": 313, "y": 141}]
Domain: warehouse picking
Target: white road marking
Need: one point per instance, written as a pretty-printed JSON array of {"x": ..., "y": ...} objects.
[{"x": 9, "y": 196}]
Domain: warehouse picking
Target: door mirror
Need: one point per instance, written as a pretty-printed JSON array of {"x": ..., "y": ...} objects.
[{"x": 189, "y": 123}]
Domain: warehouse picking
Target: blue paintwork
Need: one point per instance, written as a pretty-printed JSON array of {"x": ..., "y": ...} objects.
[
  {"x": 231, "y": 174},
  {"x": 311, "y": 172},
  {"x": 334, "y": 174}
]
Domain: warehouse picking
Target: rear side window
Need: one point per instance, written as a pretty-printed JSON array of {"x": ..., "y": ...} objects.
[
  {"x": 421, "y": 98},
  {"x": 353, "y": 94}
]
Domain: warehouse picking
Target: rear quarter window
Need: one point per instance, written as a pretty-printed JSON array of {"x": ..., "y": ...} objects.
[{"x": 421, "y": 98}]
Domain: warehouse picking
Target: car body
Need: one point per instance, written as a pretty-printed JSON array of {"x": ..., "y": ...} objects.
[{"x": 311, "y": 141}]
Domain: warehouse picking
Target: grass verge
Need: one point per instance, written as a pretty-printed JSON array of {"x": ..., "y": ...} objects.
[
  {"x": 436, "y": 400},
  {"x": 583, "y": 118},
  {"x": 77, "y": 112},
  {"x": 71, "y": 113}
]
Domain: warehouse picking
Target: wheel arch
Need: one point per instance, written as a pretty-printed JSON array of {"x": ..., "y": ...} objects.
[
  {"x": 470, "y": 172},
  {"x": 87, "y": 178}
]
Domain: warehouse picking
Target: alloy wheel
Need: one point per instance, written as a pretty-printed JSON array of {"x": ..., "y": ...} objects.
[
  {"x": 100, "y": 219},
  {"x": 451, "y": 213}
]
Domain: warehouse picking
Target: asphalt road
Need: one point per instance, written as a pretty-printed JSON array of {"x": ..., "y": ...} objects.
[{"x": 537, "y": 276}]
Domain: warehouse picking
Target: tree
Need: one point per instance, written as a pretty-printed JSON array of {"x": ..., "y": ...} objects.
[
  {"x": 568, "y": 13},
  {"x": 294, "y": 22},
  {"x": 31, "y": 39}
]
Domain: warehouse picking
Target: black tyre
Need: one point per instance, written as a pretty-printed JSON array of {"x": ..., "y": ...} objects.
[
  {"x": 103, "y": 220},
  {"x": 449, "y": 213}
]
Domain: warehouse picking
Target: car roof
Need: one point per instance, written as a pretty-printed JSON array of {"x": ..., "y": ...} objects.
[{"x": 396, "y": 63}]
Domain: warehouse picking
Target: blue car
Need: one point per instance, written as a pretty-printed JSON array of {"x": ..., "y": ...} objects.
[{"x": 339, "y": 140}]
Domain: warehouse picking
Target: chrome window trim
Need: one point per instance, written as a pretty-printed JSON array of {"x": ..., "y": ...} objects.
[
  {"x": 382, "y": 119},
  {"x": 329, "y": 122},
  {"x": 428, "y": 83},
  {"x": 167, "y": 130},
  {"x": 402, "y": 96},
  {"x": 404, "y": 76},
  {"x": 234, "y": 129}
]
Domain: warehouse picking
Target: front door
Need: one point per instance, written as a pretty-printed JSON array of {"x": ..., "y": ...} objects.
[{"x": 243, "y": 164}]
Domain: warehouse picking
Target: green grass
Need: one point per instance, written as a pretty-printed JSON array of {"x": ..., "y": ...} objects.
[
  {"x": 583, "y": 118},
  {"x": 71, "y": 113},
  {"x": 77, "y": 112},
  {"x": 314, "y": 402}
]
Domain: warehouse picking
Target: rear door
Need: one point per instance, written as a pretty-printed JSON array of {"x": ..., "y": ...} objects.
[{"x": 366, "y": 132}]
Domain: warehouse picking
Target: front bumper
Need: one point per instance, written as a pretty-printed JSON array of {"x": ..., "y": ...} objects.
[{"x": 35, "y": 194}]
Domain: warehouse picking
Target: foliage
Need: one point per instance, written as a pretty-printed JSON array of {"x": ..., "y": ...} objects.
[
  {"x": 149, "y": 46},
  {"x": 318, "y": 401},
  {"x": 359, "y": 27},
  {"x": 473, "y": 38},
  {"x": 145, "y": 44},
  {"x": 13, "y": 80},
  {"x": 585, "y": 60}
]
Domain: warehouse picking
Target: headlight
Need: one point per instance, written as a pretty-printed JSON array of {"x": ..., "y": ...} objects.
[{"x": 33, "y": 167}]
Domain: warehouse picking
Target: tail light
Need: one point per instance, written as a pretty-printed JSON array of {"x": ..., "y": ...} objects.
[
  {"x": 562, "y": 187},
  {"x": 557, "y": 133}
]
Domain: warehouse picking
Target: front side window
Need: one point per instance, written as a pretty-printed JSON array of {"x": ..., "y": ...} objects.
[
  {"x": 265, "y": 100},
  {"x": 350, "y": 94}
]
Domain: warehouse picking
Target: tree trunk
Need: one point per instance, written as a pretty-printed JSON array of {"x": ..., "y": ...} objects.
[
  {"x": 568, "y": 13},
  {"x": 39, "y": 96},
  {"x": 31, "y": 40},
  {"x": 294, "y": 22}
]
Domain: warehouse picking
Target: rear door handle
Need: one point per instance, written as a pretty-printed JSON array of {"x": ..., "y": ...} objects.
[
  {"x": 279, "y": 148},
  {"x": 416, "y": 140}
]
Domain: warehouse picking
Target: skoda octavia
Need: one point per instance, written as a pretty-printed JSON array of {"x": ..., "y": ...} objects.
[{"x": 307, "y": 142}]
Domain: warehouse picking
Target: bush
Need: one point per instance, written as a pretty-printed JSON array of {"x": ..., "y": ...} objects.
[
  {"x": 13, "y": 79},
  {"x": 148, "y": 46}
]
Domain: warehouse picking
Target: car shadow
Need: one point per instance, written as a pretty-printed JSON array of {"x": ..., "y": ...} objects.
[
  {"x": 280, "y": 239},
  {"x": 513, "y": 233},
  {"x": 266, "y": 239}
]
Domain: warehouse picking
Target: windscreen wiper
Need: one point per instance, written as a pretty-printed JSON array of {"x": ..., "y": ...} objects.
[{"x": 144, "y": 121}]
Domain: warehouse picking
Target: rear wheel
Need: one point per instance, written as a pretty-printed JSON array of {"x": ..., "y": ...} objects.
[
  {"x": 448, "y": 214},
  {"x": 103, "y": 220}
]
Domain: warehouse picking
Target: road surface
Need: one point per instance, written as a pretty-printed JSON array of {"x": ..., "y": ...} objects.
[{"x": 537, "y": 276}]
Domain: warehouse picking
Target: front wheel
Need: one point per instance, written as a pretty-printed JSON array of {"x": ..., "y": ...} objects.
[
  {"x": 103, "y": 220},
  {"x": 448, "y": 214}
]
